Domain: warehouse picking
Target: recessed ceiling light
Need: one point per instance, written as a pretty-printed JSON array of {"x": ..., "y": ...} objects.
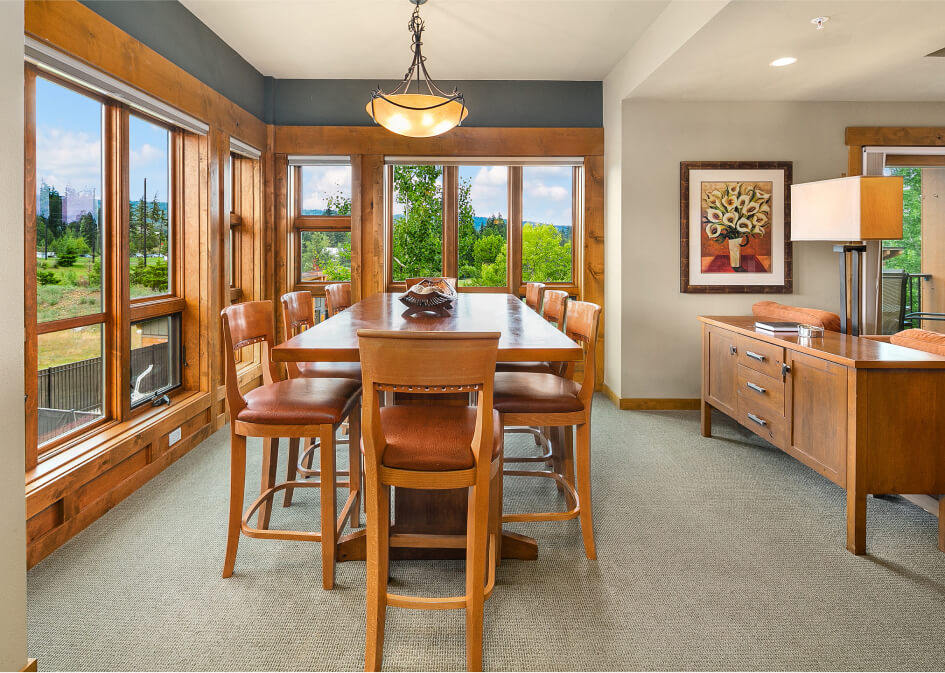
[{"x": 780, "y": 62}]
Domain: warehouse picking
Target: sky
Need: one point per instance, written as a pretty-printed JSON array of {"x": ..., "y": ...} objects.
[
  {"x": 546, "y": 197},
  {"x": 69, "y": 144},
  {"x": 320, "y": 182}
]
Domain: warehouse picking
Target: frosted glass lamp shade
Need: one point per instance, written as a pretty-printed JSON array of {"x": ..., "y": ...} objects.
[
  {"x": 417, "y": 115},
  {"x": 859, "y": 208}
]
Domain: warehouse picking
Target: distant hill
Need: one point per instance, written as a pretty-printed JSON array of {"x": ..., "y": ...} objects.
[{"x": 480, "y": 222}]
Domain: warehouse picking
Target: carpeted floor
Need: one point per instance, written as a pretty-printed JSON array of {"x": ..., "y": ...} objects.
[{"x": 719, "y": 553}]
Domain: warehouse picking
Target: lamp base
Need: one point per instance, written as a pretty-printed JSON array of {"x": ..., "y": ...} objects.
[{"x": 851, "y": 292}]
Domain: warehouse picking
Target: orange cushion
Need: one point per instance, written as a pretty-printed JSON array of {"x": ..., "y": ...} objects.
[
  {"x": 772, "y": 310},
  {"x": 920, "y": 339}
]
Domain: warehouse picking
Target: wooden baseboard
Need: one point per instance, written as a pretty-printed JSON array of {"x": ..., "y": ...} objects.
[
  {"x": 31, "y": 665},
  {"x": 652, "y": 403}
]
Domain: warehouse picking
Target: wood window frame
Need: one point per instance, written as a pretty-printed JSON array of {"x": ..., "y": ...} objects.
[
  {"x": 315, "y": 223},
  {"x": 119, "y": 309},
  {"x": 450, "y": 236}
]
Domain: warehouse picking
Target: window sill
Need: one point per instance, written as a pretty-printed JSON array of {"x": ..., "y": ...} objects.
[{"x": 91, "y": 450}]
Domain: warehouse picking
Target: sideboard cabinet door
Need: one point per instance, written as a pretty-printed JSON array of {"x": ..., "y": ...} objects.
[
  {"x": 721, "y": 369},
  {"x": 817, "y": 408}
]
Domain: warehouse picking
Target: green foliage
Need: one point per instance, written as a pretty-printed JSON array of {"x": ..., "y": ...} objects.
[
  {"x": 47, "y": 277},
  {"x": 153, "y": 276},
  {"x": 911, "y": 259},
  {"x": 417, "y": 235},
  {"x": 95, "y": 274},
  {"x": 338, "y": 204},
  {"x": 147, "y": 229},
  {"x": 546, "y": 256},
  {"x": 330, "y": 251}
]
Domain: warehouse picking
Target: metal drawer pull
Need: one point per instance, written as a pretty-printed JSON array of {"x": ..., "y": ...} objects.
[
  {"x": 756, "y": 419},
  {"x": 732, "y": 349},
  {"x": 756, "y": 387},
  {"x": 756, "y": 356}
]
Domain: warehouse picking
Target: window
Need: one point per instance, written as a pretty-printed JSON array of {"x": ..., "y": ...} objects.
[
  {"x": 416, "y": 221},
  {"x": 490, "y": 225},
  {"x": 547, "y": 224},
  {"x": 155, "y": 357},
  {"x": 322, "y": 222},
  {"x": 97, "y": 330},
  {"x": 483, "y": 235},
  {"x": 69, "y": 279}
]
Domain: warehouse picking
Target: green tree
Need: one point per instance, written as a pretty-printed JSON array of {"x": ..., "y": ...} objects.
[
  {"x": 68, "y": 248},
  {"x": 467, "y": 231},
  {"x": 417, "y": 234},
  {"x": 546, "y": 256},
  {"x": 911, "y": 259},
  {"x": 88, "y": 230}
]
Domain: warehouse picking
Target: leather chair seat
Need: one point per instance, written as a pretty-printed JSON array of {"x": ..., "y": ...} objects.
[
  {"x": 300, "y": 402},
  {"x": 331, "y": 370},
  {"x": 524, "y": 393},
  {"x": 527, "y": 367},
  {"x": 432, "y": 438}
]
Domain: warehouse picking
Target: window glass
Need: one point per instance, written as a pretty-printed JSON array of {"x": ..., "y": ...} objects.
[
  {"x": 326, "y": 190},
  {"x": 417, "y": 222},
  {"x": 482, "y": 252},
  {"x": 547, "y": 223},
  {"x": 148, "y": 185},
  {"x": 70, "y": 380},
  {"x": 325, "y": 256},
  {"x": 68, "y": 203},
  {"x": 155, "y": 357}
]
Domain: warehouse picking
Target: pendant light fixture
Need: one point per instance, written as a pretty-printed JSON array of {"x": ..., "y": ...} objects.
[{"x": 429, "y": 111}]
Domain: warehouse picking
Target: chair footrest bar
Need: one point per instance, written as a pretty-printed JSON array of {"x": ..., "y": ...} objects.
[
  {"x": 570, "y": 494},
  {"x": 266, "y": 534},
  {"x": 448, "y": 602},
  {"x": 346, "y": 511}
]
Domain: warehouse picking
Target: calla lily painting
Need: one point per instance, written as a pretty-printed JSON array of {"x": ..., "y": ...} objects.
[
  {"x": 735, "y": 231},
  {"x": 735, "y": 226}
]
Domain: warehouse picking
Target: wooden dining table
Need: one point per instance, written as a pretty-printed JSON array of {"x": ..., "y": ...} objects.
[{"x": 525, "y": 337}]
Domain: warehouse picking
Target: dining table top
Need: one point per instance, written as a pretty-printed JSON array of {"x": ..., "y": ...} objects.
[{"x": 525, "y": 335}]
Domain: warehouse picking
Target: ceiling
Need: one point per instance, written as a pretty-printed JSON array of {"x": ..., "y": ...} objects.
[
  {"x": 867, "y": 51},
  {"x": 464, "y": 39}
]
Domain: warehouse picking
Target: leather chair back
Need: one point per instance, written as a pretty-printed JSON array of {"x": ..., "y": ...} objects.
[
  {"x": 428, "y": 363},
  {"x": 534, "y": 294},
  {"x": 337, "y": 297},
  {"x": 555, "y": 302}
]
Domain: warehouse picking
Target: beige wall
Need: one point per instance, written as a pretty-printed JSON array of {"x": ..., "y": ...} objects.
[
  {"x": 660, "y": 337},
  {"x": 12, "y": 503}
]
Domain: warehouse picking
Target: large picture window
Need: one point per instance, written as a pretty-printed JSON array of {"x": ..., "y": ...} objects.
[
  {"x": 101, "y": 270},
  {"x": 322, "y": 223},
  {"x": 492, "y": 226}
]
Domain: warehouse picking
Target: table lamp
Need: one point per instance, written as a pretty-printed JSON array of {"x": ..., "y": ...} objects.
[{"x": 848, "y": 211}]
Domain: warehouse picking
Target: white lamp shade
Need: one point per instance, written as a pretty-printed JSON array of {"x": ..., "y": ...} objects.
[
  {"x": 417, "y": 115},
  {"x": 858, "y": 208}
]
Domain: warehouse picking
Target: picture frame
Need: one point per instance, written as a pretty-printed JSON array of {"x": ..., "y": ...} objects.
[{"x": 735, "y": 227}]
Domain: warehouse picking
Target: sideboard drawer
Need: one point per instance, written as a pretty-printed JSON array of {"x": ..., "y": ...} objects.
[
  {"x": 765, "y": 390},
  {"x": 760, "y": 356},
  {"x": 762, "y": 420}
]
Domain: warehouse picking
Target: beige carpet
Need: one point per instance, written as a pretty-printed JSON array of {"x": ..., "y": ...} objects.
[{"x": 718, "y": 553}]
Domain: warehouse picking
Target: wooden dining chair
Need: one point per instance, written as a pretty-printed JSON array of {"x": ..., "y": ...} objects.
[
  {"x": 298, "y": 315},
  {"x": 559, "y": 402},
  {"x": 337, "y": 298},
  {"x": 410, "y": 282},
  {"x": 534, "y": 294},
  {"x": 431, "y": 447},
  {"x": 299, "y": 408},
  {"x": 554, "y": 311}
]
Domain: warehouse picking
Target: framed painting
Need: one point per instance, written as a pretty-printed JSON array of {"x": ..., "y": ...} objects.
[{"x": 735, "y": 227}]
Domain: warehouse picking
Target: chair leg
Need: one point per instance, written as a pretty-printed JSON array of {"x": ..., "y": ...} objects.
[
  {"x": 584, "y": 488},
  {"x": 477, "y": 539},
  {"x": 355, "y": 484},
  {"x": 237, "y": 486},
  {"x": 568, "y": 454},
  {"x": 290, "y": 470},
  {"x": 269, "y": 464},
  {"x": 329, "y": 508},
  {"x": 377, "y": 499}
]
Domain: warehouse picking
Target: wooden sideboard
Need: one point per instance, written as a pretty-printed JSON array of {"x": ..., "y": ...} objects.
[{"x": 866, "y": 414}]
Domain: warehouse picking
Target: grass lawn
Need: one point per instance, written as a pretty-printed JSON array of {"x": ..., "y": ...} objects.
[{"x": 71, "y": 345}]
